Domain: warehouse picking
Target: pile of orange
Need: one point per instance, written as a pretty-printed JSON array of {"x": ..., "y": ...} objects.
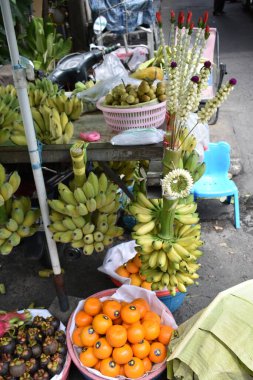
[
  {"x": 131, "y": 269},
  {"x": 120, "y": 338}
]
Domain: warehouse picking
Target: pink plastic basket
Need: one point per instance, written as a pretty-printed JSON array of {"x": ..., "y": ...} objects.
[
  {"x": 145, "y": 116},
  {"x": 88, "y": 375}
]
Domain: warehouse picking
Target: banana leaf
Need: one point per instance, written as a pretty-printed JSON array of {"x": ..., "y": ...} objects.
[{"x": 217, "y": 342}]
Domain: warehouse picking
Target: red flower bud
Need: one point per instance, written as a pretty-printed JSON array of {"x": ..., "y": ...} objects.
[
  {"x": 200, "y": 22},
  {"x": 207, "y": 32},
  {"x": 159, "y": 18},
  {"x": 172, "y": 16},
  {"x": 189, "y": 18},
  {"x": 180, "y": 21},
  {"x": 205, "y": 18},
  {"x": 191, "y": 28}
]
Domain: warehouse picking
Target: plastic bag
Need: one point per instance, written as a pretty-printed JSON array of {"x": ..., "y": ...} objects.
[
  {"x": 201, "y": 132},
  {"x": 138, "y": 136},
  {"x": 110, "y": 67}
]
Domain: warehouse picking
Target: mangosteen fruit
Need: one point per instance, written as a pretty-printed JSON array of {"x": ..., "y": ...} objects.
[
  {"x": 37, "y": 320},
  {"x": 60, "y": 336},
  {"x": 50, "y": 345},
  {"x": 41, "y": 374},
  {"x": 32, "y": 365},
  {"x": 36, "y": 348},
  {"x": 54, "y": 368},
  {"x": 17, "y": 367},
  {"x": 7, "y": 345},
  {"x": 34, "y": 333},
  {"x": 59, "y": 358},
  {"x": 23, "y": 351},
  {"x": 55, "y": 322},
  {"x": 21, "y": 336},
  {"x": 47, "y": 329},
  {"x": 44, "y": 360},
  {"x": 62, "y": 349},
  {"x": 26, "y": 376}
]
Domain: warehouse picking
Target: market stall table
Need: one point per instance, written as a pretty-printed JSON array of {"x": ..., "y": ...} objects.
[{"x": 101, "y": 150}]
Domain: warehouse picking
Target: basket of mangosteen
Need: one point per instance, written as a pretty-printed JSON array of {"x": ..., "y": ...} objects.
[
  {"x": 32, "y": 346},
  {"x": 134, "y": 106}
]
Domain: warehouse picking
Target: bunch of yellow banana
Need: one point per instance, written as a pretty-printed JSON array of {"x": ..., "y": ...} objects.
[
  {"x": 9, "y": 89},
  {"x": 8, "y": 185},
  {"x": 46, "y": 85},
  {"x": 73, "y": 106},
  {"x": 171, "y": 263},
  {"x": 8, "y": 116},
  {"x": 86, "y": 216},
  {"x": 20, "y": 223},
  {"x": 51, "y": 127},
  {"x": 167, "y": 263}
]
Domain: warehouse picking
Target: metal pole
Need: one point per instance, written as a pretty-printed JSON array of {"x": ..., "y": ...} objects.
[{"x": 20, "y": 83}]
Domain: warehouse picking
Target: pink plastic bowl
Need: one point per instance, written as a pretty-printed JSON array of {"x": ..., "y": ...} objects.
[{"x": 84, "y": 371}]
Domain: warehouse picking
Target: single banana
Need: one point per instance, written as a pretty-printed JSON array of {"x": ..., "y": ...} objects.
[
  {"x": 91, "y": 205},
  {"x": 14, "y": 180},
  {"x": 79, "y": 221},
  {"x": 18, "y": 215},
  {"x": 88, "y": 249},
  {"x": 181, "y": 251},
  {"x": 102, "y": 227},
  {"x": 2, "y": 174},
  {"x": 99, "y": 246},
  {"x": 102, "y": 183},
  {"x": 88, "y": 238},
  {"x": 153, "y": 259},
  {"x": 59, "y": 227},
  {"x": 77, "y": 234},
  {"x": 6, "y": 248},
  {"x": 66, "y": 194},
  {"x": 93, "y": 180},
  {"x": 31, "y": 217},
  {"x": 88, "y": 228},
  {"x": 144, "y": 218},
  {"x": 79, "y": 195},
  {"x": 100, "y": 199},
  {"x": 6, "y": 190},
  {"x": 88, "y": 190},
  {"x": 173, "y": 256},
  {"x": 115, "y": 231},
  {"x": 109, "y": 208},
  {"x": 144, "y": 229},
  {"x": 143, "y": 201},
  {"x": 82, "y": 209},
  {"x": 11, "y": 225},
  {"x": 108, "y": 240},
  {"x": 14, "y": 239},
  {"x": 98, "y": 236},
  {"x": 5, "y": 233},
  {"x": 77, "y": 244},
  {"x": 69, "y": 224},
  {"x": 162, "y": 258},
  {"x": 23, "y": 231}
]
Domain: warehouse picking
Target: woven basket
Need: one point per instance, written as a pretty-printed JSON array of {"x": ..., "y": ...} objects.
[{"x": 141, "y": 116}]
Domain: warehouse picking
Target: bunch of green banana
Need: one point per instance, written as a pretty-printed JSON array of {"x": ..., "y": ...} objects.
[
  {"x": 8, "y": 185},
  {"x": 86, "y": 216},
  {"x": 20, "y": 223},
  {"x": 187, "y": 140},
  {"x": 46, "y": 85},
  {"x": 192, "y": 164},
  {"x": 73, "y": 106},
  {"x": 80, "y": 86}
]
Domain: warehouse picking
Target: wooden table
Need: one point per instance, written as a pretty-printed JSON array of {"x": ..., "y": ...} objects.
[{"x": 102, "y": 150}]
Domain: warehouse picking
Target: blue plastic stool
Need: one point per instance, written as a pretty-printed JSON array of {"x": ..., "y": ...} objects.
[{"x": 215, "y": 182}]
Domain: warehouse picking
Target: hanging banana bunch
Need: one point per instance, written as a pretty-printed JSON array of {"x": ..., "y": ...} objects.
[
  {"x": 167, "y": 232},
  {"x": 85, "y": 214}
]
